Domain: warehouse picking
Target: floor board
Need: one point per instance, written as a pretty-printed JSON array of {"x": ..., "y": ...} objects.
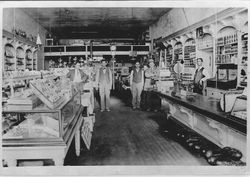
[{"x": 127, "y": 137}]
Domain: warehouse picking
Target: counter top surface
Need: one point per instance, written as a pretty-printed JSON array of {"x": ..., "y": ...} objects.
[{"x": 207, "y": 106}]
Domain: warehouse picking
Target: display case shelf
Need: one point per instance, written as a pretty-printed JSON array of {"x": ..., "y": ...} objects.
[{"x": 41, "y": 133}]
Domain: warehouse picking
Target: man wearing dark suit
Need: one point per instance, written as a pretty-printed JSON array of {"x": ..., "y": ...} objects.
[{"x": 78, "y": 77}]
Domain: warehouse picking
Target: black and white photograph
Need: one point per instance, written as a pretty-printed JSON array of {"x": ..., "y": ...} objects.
[{"x": 124, "y": 88}]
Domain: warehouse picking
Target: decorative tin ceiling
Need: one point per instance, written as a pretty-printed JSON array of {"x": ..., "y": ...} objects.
[{"x": 78, "y": 23}]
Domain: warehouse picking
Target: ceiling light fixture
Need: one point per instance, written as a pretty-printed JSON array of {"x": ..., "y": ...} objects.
[{"x": 38, "y": 39}]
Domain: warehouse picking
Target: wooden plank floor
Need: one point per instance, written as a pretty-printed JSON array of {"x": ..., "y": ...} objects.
[{"x": 127, "y": 137}]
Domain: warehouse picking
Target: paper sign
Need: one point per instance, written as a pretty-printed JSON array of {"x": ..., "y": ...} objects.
[{"x": 87, "y": 129}]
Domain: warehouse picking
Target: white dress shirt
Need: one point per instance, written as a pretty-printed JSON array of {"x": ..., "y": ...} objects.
[{"x": 77, "y": 76}]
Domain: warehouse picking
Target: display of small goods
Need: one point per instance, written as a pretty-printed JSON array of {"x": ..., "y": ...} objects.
[
  {"x": 20, "y": 55},
  {"x": 59, "y": 71},
  {"x": 162, "y": 55},
  {"x": 34, "y": 61},
  {"x": 205, "y": 42},
  {"x": 240, "y": 107},
  {"x": 189, "y": 53},
  {"x": 36, "y": 125},
  {"x": 169, "y": 54},
  {"x": 20, "y": 74},
  {"x": 244, "y": 39},
  {"x": 227, "y": 49},
  {"x": 9, "y": 58},
  {"x": 50, "y": 91},
  {"x": 244, "y": 60},
  {"x": 47, "y": 74},
  {"x": 188, "y": 73},
  {"x": 178, "y": 52},
  {"x": 8, "y": 120},
  {"x": 28, "y": 61}
]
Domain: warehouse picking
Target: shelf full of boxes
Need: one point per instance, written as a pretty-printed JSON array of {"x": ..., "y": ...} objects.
[
  {"x": 223, "y": 46},
  {"x": 242, "y": 70},
  {"x": 189, "y": 57}
]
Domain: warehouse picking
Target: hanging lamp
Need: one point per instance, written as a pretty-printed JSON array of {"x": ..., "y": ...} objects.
[{"x": 38, "y": 39}]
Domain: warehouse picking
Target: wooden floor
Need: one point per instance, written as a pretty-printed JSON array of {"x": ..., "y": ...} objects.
[{"x": 127, "y": 137}]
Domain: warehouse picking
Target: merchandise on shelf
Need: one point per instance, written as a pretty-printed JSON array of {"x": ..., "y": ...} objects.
[
  {"x": 59, "y": 71},
  {"x": 51, "y": 92},
  {"x": 243, "y": 65},
  {"x": 178, "y": 53},
  {"x": 227, "y": 49},
  {"x": 20, "y": 74},
  {"x": 35, "y": 126}
]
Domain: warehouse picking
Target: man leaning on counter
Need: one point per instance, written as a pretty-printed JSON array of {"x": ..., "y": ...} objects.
[{"x": 200, "y": 77}]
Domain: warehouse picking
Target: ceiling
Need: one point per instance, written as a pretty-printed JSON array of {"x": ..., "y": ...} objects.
[{"x": 89, "y": 23}]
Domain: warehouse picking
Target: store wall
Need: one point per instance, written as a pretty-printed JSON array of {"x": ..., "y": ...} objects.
[
  {"x": 26, "y": 23},
  {"x": 179, "y": 18}
]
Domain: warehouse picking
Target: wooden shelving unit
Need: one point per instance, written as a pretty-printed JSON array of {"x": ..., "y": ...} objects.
[
  {"x": 189, "y": 57},
  {"x": 242, "y": 66},
  {"x": 178, "y": 52},
  {"x": 9, "y": 55},
  {"x": 189, "y": 53},
  {"x": 28, "y": 60},
  {"x": 169, "y": 55},
  {"x": 227, "y": 46},
  {"x": 18, "y": 53},
  {"x": 35, "y": 60}
]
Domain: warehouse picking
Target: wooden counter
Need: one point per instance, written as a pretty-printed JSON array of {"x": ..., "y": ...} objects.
[
  {"x": 203, "y": 115},
  {"x": 209, "y": 107}
]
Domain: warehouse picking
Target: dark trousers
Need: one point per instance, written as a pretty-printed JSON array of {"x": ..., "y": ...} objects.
[
  {"x": 197, "y": 89},
  {"x": 153, "y": 101}
]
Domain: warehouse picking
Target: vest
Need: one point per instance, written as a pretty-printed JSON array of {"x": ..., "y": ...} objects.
[
  {"x": 137, "y": 76},
  {"x": 104, "y": 77},
  {"x": 198, "y": 75}
]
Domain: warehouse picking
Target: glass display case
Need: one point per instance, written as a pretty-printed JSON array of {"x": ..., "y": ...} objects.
[
  {"x": 40, "y": 124},
  {"x": 239, "y": 109}
]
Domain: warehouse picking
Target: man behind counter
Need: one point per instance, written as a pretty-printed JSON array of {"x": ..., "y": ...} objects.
[{"x": 200, "y": 76}]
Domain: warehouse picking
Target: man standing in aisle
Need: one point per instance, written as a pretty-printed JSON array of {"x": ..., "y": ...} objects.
[
  {"x": 153, "y": 102},
  {"x": 200, "y": 77},
  {"x": 136, "y": 83},
  {"x": 104, "y": 81},
  {"x": 77, "y": 77}
]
